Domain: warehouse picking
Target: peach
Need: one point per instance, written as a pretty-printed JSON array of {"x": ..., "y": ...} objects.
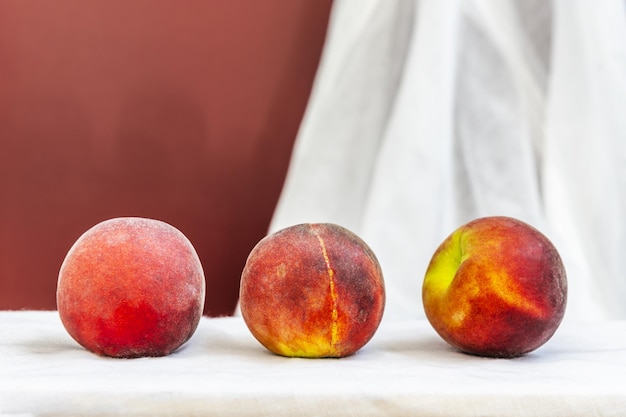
[
  {"x": 495, "y": 287},
  {"x": 312, "y": 290},
  {"x": 131, "y": 287}
]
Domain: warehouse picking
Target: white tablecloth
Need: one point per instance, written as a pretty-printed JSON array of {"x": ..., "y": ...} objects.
[{"x": 406, "y": 369}]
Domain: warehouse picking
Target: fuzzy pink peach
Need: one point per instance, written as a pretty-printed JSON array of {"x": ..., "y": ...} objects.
[{"x": 131, "y": 287}]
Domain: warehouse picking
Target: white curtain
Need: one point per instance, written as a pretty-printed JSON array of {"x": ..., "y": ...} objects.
[{"x": 427, "y": 114}]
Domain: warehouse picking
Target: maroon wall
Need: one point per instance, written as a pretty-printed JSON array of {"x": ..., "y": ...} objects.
[{"x": 184, "y": 111}]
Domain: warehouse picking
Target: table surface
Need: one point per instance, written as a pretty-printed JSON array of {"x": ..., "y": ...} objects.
[{"x": 406, "y": 369}]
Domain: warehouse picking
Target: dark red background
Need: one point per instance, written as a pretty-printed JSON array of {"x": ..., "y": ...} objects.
[{"x": 184, "y": 111}]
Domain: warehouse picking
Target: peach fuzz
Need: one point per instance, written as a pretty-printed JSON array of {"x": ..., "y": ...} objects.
[
  {"x": 131, "y": 287},
  {"x": 312, "y": 290},
  {"x": 495, "y": 287}
]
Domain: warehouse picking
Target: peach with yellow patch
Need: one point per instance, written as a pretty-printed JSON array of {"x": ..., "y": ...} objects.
[
  {"x": 495, "y": 287},
  {"x": 131, "y": 287},
  {"x": 312, "y": 290}
]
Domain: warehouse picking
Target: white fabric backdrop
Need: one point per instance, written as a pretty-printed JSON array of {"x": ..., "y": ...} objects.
[{"x": 427, "y": 114}]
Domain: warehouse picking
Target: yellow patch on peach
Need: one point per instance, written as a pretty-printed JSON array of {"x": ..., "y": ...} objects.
[
  {"x": 304, "y": 347},
  {"x": 505, "y": 289}
]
